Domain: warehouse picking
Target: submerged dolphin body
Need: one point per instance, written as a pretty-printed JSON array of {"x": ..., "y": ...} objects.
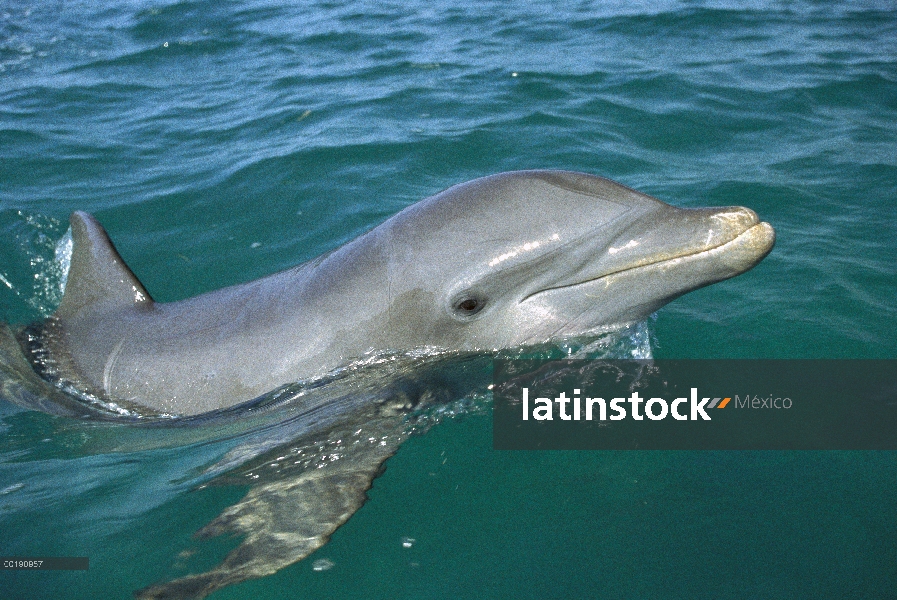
[{"x": 508, "y": 260}]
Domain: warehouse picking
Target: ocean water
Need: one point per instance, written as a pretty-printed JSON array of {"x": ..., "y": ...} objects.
[{"x": 222, "y": 141}]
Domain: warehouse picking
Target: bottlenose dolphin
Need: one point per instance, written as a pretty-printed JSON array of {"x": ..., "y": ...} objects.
[{"x": 503, "y": 261}]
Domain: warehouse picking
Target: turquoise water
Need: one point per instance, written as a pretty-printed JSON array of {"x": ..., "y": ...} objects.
[{"x": 222, "y": 141}]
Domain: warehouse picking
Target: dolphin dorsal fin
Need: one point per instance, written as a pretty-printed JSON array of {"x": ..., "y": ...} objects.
[{"x": 98, "y": 278}]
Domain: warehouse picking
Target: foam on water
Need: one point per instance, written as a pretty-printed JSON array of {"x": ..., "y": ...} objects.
[
  {"x": 63, "y": 260},
  {"x": 39, "y": 252}
]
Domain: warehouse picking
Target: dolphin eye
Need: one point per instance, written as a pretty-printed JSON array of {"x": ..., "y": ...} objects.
[{"x": 468, "y": 305}]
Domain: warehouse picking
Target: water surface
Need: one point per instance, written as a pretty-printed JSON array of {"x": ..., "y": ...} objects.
[{"x": 222, "y": 141}]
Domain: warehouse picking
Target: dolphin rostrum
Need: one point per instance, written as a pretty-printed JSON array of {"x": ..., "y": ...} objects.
[{"x": 503, "y": 261}]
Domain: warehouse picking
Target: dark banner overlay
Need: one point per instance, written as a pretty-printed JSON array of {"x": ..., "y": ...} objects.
[
  {"x": 695, "y": 405},
  {"x": 45, "y": 563}
]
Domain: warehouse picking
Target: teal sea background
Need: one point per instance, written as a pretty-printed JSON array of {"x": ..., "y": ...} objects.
[{"x": 221, "y": 141}]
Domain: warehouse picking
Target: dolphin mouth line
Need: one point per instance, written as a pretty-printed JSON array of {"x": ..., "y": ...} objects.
[{"x": 690, "y": 255}]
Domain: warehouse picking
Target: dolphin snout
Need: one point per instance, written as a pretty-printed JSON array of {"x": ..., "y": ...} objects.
[
  {"x": 698, "y": 229},
  {"x": 733, "y": 238},
  {"x": 674, "y": 232},
  {"x": 749, "y": 248},
  {"x": 733, "y": 220}
]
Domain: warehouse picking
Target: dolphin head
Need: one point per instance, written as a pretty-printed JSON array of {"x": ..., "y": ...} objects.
[{"x": 536, "y": 256}]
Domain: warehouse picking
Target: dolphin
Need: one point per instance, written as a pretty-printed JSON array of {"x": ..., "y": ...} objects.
[{"x": 508, "y": 260}]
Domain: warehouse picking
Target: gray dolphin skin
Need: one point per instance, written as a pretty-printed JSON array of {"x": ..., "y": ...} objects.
[{"x": 503, "y": 261}]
